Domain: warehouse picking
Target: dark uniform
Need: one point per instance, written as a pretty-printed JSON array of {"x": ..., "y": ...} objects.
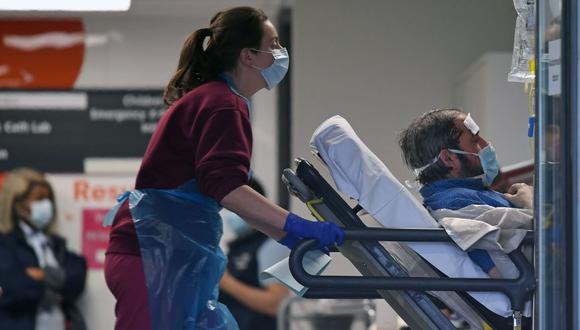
[{"x": 243, "y": 265}]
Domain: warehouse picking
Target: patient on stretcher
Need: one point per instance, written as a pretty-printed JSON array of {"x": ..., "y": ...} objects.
[
  {"x": 358, "y": 173},
  {"x": 456, "y": 167}
]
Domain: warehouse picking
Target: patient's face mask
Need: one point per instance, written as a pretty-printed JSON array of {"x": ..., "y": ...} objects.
[
  {"x": 274, "y": 74},
  {"x": 489, "y": 163}
]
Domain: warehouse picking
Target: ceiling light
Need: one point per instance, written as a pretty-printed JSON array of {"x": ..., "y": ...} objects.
[{"x": 65, "y": 5}]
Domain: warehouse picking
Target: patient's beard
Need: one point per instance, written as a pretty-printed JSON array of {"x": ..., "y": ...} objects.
[{"x": 468, "y": 169}]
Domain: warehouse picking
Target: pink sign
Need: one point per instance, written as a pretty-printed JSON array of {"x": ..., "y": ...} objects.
[{"x": 95, "y": 237}]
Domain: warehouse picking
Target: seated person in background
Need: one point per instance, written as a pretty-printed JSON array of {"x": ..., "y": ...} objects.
[
  {"x": 40, "y": 278},
  {"x": 253, "y": 303},
  {"x": 456, "y": 167}
]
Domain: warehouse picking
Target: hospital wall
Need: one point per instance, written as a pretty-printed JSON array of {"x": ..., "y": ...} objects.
[{"x": 380, "y": 64}]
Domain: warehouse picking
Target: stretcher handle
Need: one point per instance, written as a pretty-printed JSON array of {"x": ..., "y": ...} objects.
[
  {"x": 339, "y": 293},
  {"x": 518, "y": 290}
]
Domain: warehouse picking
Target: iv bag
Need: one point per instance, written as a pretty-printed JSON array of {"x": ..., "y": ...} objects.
[{"x": 523, "y": 61}]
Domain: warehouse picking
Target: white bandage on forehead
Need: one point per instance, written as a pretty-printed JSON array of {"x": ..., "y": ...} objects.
[{"x": 470, "y": 124}]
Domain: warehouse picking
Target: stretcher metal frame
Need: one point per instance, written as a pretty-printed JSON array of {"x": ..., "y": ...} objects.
[{"x": 383, "y": 276}]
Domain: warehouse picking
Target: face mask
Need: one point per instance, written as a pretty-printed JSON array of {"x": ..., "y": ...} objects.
[
  {"x": 489, "y": 163},
  {"x": 41, "y": 212},
  {"x": 274, "y": 74},
  {"x": 236, "y": 224}
]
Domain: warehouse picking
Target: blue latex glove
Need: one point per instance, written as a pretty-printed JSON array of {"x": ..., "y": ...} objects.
[
  {"x": 297, "y": 229},
  {"x": 290, "y": 240}
]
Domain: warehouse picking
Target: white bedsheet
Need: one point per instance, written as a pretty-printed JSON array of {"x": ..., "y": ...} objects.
[{"x": 360, "y": 174}]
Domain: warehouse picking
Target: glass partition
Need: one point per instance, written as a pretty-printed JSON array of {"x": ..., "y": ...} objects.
[{"x": 554, "y": 171}]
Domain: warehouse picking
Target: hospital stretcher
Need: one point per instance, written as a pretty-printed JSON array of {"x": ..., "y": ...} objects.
[{"x": 405, "y": 269}]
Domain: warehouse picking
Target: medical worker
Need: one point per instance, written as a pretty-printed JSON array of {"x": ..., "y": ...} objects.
[
  {"x": 163, "y": 264},
  {"x": 41, "y": 278}
]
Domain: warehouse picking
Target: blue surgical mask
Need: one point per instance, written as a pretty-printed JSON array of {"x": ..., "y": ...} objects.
[
  {"x": 41, "y": 212},
  {"x": 236, "y": 224},
  {"x": 489, "y": 163},
  {"x": 274, "y": 74}
]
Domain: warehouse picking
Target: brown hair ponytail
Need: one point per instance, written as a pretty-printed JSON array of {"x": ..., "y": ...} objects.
[
  {"x": 191, "y": 68},
  {"x": 230, "y": 31}
]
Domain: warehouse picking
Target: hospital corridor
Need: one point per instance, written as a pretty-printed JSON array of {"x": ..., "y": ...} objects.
[{"x": 289, "y": 164}]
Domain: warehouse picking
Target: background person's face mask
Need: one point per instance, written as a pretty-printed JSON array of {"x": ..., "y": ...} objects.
[
  {"x": 41, "y": 212},
  {"x": 236, "y": 224},
  {"x": 489, "y": 163},
  {"x": 274, "y": 74}
]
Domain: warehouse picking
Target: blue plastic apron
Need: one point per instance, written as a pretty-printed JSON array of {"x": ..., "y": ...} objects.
[{"x": 179, "y": 232}]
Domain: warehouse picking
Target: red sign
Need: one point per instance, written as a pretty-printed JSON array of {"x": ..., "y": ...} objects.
[
  {"x": 95, "y": 237},
  {"x": 41, "y": 53}
]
